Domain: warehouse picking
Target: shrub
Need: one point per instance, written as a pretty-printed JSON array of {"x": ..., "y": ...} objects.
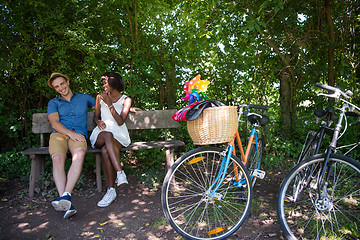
[{"x": 14, "y": 165}]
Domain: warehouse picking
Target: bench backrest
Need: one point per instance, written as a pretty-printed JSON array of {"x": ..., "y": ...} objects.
[{"x": 150, "y": 119}]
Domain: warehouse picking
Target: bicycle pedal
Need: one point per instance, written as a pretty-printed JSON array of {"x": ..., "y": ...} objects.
[{"x": 260, "y": 174}]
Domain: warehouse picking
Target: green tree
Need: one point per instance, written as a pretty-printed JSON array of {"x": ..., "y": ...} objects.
[
  {"x": 262, "y": 52},
  {"x": 301, "y": 34}
]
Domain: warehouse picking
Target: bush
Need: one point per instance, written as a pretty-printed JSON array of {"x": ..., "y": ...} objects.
[{"x": 14, "y": 165}]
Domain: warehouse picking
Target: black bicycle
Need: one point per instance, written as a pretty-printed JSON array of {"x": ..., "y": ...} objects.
[{"x": 320, "y": 196}]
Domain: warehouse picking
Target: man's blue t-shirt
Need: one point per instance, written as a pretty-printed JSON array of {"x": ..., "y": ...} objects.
[{"x": 73, "y": 114}]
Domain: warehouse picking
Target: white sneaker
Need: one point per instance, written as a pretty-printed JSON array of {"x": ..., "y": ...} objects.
[
  {"x": 108, "y": 198},
  {"x": 120, "y": 178}
]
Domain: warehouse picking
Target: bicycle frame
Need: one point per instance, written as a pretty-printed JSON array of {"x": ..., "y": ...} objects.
[
  {"x": 225, "y": 162},
  {"x": 244, "y": 156},
  {"x": 318, "y": 135}
]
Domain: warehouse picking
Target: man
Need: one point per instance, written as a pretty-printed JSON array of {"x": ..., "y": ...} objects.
[{"x": 67, "y": 114}]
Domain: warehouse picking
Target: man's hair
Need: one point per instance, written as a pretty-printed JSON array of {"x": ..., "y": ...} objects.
[{"x": 114, "y": 80}]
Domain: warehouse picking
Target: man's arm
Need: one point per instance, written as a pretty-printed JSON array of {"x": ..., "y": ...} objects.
[{"x": 59, "y": 127}]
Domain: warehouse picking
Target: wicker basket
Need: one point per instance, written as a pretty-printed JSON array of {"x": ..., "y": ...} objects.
[{"x": 214, "y": 125}]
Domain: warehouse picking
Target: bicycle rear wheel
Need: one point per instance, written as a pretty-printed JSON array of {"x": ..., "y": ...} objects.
[
  {"x": 336, "y": 214},
  {"x": 189, "y": 206},
  {"x": 253, "y": 162}
]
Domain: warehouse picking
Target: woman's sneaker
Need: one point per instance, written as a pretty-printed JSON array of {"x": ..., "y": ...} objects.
[
  {"x": 120, "y": 178},
  {"x": 62, "y": 203},
  {"x": 69, "y": 213},
  {"x": 108, "y": 198}
]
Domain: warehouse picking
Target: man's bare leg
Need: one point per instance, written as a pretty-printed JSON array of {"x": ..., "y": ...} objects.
[{"x": 78, "y": 155}]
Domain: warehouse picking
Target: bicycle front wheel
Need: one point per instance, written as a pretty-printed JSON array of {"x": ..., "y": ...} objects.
[
  {"x": 191, "y": 206},
  {"x": 303, "y": 214}
]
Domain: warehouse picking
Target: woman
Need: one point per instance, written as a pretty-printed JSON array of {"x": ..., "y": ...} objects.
[{"x": 110, "y": 135}]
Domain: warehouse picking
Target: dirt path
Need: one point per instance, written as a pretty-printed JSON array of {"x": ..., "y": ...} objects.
[{"x": 135, "y": 214}]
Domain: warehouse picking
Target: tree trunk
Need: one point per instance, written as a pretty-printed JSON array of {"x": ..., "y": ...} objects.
[
  {"x": 170, "y": 98},
  {"x": 286, "y": 106},
  {"x": 331, "y": 39}
]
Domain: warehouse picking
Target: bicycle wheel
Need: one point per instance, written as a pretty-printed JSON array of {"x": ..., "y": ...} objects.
[
  {"x": 252, "y": 162},
  {"x": 189, "y": 206},
  {"x": 336, "y": 215}
]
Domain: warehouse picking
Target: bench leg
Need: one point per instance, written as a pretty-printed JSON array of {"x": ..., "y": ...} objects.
[
  {"x": 98, "y": 173},
  {"x": 169, "y": 154},
  {"x": 37, "y": 167}
]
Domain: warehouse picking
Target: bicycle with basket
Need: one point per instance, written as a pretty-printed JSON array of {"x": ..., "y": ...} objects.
[{"x": 207, "y": 193}]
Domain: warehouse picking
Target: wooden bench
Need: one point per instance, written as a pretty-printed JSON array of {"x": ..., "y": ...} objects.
[{"x": 152, "y": 119}]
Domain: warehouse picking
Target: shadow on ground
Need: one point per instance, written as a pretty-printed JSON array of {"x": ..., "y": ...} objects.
[{"x": 135, "y": 214}]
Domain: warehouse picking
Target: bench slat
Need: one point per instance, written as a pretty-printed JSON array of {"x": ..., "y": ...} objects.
[
  {"x": 149, "y": 145},
  {"x": 132, "y": 146},
  {"x": 150, "y": 119}
]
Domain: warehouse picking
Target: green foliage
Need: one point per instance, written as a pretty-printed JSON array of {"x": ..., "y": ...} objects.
[
  {"x": 9, "y": 127},
  {"x": 48, "y": 189},
  {"x": 151, "y": 178},
  {"x": 280, "y": 154},
  {"x": 241, "y": 48},
  {"x": 14, "y": 165}
]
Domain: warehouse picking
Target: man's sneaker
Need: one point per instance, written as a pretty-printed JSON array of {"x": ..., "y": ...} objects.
[
  {"x": 120, "y": 178},
  {"x": 62, "y": 203},
  {"x": 69, "y": 213},
  {"x": 108, "y": 198}
]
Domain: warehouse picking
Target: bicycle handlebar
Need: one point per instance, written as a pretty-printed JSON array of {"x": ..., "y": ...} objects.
[
  {"x": 334, "y": 90},
  {"x": 258, "y": 106},
  {"x": 327, "y": 87}
]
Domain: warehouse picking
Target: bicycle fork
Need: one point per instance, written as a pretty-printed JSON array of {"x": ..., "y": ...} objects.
[
  {"x": 221, "y": 175},
  {"x": 211, "y": 192}
]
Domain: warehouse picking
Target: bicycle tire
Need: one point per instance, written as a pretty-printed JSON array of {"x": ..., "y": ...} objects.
[
  {"x": 186, "y": 202},
  {"x": 337, "y": 215},
  {"x": 251, "y": 163}
]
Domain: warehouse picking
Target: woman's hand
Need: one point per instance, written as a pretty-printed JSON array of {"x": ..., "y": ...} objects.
[
  {"x": 101, "y": 125},
  {"x": 106, "y": 98},
  {"x": 135, "y": 110}
]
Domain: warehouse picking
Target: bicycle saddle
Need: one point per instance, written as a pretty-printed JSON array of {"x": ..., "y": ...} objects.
[
  {"x": 352, "y": 114},
  {"x": 327, "y": 114},
  {"x": 262, "y": 120}
]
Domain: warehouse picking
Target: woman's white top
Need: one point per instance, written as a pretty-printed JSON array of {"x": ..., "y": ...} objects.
[{"x": 120, "y": 133}]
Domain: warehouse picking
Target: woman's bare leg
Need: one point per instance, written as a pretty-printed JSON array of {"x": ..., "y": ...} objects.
[
  {"x": 112, "y": 146},
  {"x": 108, "y": 167}
]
